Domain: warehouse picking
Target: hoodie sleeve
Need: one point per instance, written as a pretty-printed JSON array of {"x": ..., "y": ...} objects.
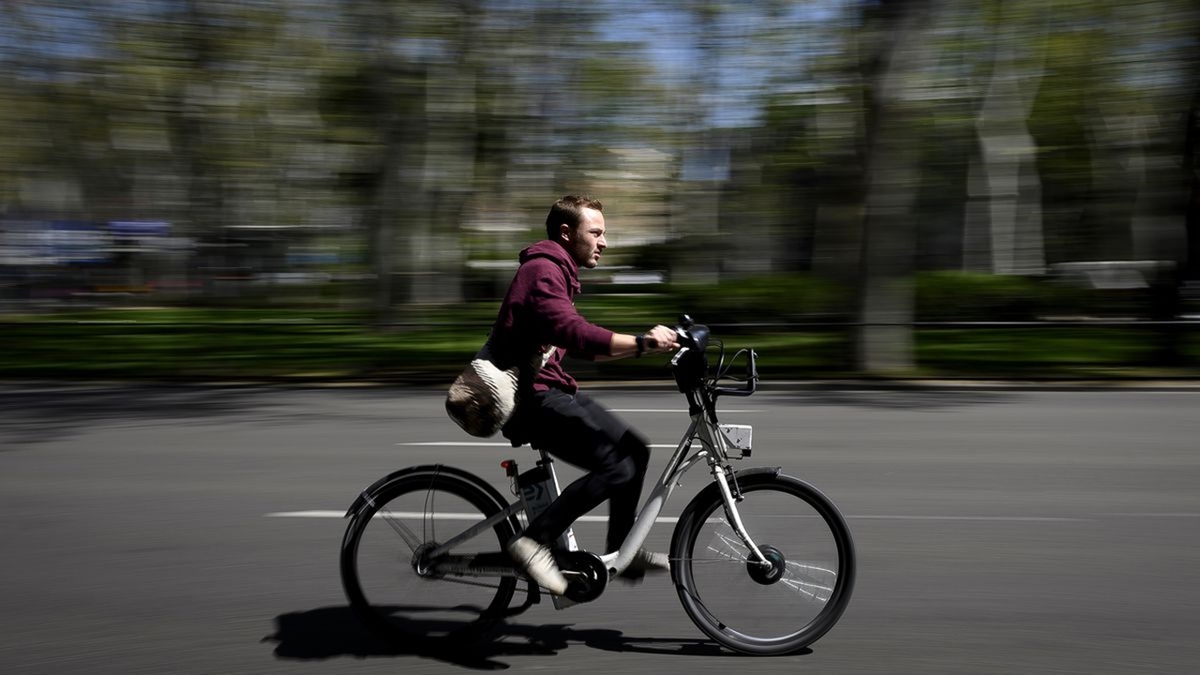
[{"x": 549, "y": 300}]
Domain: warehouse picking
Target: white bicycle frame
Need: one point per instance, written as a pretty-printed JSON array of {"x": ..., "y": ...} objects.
[{"x": 714, "y": 449}]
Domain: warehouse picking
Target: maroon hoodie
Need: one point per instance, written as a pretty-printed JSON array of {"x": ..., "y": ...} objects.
[{"x": 538, "y": 311}]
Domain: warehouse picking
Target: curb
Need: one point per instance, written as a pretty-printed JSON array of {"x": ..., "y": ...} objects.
[
  {"x": 939, "y": 385},
  {"x": 768, "y": 386}
]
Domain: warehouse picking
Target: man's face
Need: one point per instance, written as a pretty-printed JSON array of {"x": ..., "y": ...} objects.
[{"x": 586, "y": 242}]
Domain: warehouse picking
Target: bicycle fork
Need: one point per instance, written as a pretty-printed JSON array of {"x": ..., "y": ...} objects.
[{"x": 732, "y": 515}]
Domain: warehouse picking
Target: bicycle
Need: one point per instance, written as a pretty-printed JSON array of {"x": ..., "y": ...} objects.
[{"x": 763, "y": 562}]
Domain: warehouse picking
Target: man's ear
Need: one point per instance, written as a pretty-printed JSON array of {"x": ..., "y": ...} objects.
[{"x": 564, "y": 232}]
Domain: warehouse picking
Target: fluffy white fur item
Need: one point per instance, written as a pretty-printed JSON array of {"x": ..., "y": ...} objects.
[{"x": 484, "y": 395}]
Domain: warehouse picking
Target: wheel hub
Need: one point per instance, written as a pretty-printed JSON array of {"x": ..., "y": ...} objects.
[
  {"x": 767, "y": 574},
  {"x": 420, "y": 560}
]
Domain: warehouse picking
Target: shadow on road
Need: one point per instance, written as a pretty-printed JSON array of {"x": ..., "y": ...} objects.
[
  {"x": 32, "y": 415},
  {"x": 37, "y": 415},
  {"x": 330, "y": 632}
]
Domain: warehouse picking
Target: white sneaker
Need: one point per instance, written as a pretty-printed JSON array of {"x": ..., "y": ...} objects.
[
  {"x": 650, "y": 561},
  {"x": 538, "y": 563},
  {"x": 644, "y": 561}
]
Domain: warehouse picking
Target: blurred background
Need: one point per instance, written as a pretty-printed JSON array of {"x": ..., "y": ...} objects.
[{"x": 210, "y": 188}]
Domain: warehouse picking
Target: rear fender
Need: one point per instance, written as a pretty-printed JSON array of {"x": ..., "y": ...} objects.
[{"x": 432, "y": 469}]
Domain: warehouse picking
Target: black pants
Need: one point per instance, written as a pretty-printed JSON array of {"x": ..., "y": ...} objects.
[{"x": 581, "y": 432}]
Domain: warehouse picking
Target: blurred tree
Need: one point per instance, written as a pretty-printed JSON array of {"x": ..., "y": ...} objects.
[
  {"x": 374, "y": 102},
  {"x": 53, "y": 127},
  {"x": 1191, "y": 167},
  {"x": 1155, "y": 81},
  {"x": 1006, "y": 171},
  {"x": 896, "y": 60},
  {"x": 454, "y": 104},
  {"x": 216, "y": 130},
  {"x": 423, "y": 134}
]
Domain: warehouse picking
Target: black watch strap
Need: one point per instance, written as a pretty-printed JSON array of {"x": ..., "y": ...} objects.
[{"x": 641, "y": 344}]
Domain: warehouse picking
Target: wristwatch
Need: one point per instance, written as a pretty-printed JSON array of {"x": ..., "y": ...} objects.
[{"x": 641, "y": 345}]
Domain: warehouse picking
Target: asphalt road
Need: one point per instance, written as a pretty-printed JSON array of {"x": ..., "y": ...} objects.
[{"x": 195, "y": 530}]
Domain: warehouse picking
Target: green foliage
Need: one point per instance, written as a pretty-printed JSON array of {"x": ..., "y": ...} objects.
[
  {"x": 628, "y": 312},
  {"x": 1037, "y": 352},
  {"x": 968, "y": 296},
  {"x": 971, "y": 296},
  {"x": 255, "y": 345},
  {"x": 762, "y": 299}
]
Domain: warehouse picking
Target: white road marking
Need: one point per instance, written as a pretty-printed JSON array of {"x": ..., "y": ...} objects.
[
  {"x": 437, "y": 516},
  {"x": 483, "y": 444},
  {"x": 677, "y": 411},
  {"x": 1155, "y": 515},
  {"x": 458, "y": 444},
  {"x": 306, "y": 514},
  {"x": 1009, "y": 519},
  {"x": 671, "y": 519}
]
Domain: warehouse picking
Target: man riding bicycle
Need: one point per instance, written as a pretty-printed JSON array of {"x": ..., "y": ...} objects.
[{"x": 537, "y": 312}]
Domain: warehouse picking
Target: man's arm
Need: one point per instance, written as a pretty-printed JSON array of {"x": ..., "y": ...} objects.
[
  {"x": 549, "y": 303},
  {"x": 658, "y": 340}
]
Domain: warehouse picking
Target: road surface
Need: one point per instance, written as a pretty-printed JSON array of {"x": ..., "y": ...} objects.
[{"x": 155, "y": 529}]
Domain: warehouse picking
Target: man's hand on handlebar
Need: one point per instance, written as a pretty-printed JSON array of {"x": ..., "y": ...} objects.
[
  {"x": 657, "y": 340},
  {"x": 661, "y": 340}
]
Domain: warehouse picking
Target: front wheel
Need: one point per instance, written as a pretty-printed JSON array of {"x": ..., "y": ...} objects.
[{"x": 752, "y": 607}]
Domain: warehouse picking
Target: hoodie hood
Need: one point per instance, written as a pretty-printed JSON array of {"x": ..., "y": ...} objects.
[{"x": 552, "y": 250}]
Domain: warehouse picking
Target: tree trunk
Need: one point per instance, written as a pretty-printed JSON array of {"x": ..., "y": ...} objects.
[
  {"x": 886, "y": 293},
  {"x": 1191, "y": 165},
  {"x": 885, "y": 343}
]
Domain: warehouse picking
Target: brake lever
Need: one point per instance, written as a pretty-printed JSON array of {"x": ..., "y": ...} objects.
[{"x": 678, "y": 355}]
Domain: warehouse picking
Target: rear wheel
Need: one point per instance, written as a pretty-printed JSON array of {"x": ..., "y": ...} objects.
[
  {"x": 392, "y": 582},
  {"x": 757, "y": 608}
]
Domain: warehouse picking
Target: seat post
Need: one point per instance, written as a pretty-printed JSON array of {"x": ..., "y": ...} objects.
[
  {"x": 567, "y": 541},
  {"x": 545, "y": 456}
]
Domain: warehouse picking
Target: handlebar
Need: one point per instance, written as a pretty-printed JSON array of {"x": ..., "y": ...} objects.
[
  {"x": 751, "y": 379},
  {"x": 691, "y": 365}
]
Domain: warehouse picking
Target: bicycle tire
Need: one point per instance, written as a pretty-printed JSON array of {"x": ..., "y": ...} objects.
[
  {"x": 379, "y": 566},
  {"x": 746, "y": 607}
]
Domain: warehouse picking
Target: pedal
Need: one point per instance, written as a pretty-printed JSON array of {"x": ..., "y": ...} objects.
[{"x": 562, "y": 601}]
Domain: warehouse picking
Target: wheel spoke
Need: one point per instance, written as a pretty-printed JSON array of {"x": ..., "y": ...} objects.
[
  {"x": 401, "y": 529},
  {"x": 730, "y": 543}
]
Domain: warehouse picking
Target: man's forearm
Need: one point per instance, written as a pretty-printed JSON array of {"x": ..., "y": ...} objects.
[
  {"x": 620, "y": 347},
  {"x": 659, "y": 340}
]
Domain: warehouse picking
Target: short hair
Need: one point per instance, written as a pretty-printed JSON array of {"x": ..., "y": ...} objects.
[{"x": 569, "y": 210}]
